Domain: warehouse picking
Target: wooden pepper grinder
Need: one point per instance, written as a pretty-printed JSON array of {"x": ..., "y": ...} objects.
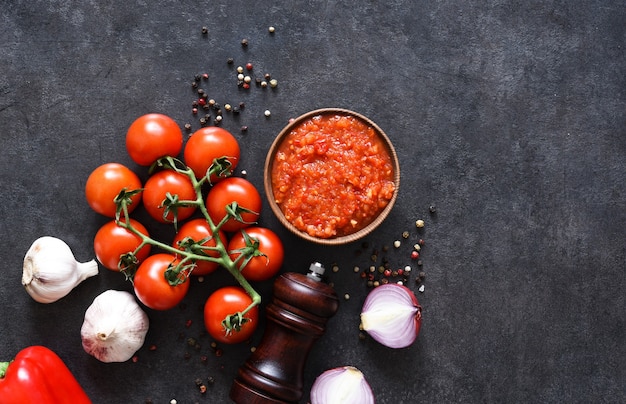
[{"x": 296, "y": 318}]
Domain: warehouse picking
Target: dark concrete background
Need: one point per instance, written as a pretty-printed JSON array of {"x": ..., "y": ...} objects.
[{"x": 507, "y": 115}]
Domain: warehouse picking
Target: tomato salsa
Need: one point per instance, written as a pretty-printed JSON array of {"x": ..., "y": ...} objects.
[{"x": 332, "y": 175}]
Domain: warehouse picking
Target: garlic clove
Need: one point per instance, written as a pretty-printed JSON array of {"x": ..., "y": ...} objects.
[
  {"x": 114, "y": 328},
  {"x": 50, "y": 270}
]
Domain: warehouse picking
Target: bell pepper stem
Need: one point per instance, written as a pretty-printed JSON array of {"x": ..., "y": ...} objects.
[{"x": 3, "y": 368}]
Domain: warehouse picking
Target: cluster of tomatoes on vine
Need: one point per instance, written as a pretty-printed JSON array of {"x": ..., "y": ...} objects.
[{"x": 214, "y": 214}]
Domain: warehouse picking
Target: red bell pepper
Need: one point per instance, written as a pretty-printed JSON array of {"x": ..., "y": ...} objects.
[{"x": 38, "y": 375}]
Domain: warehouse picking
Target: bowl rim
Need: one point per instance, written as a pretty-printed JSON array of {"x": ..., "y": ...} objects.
[{"x": 267, "y": 177}]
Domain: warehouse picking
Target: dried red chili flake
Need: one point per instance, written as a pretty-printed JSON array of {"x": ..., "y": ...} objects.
[
  {"x": 188, "y": 323},
  {"x": 135, "y": 359},
  {"x": 153, "y": 347}
]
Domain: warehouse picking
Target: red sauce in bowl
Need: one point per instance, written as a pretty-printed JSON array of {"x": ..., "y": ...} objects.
[{"x": 332, "y": 175}]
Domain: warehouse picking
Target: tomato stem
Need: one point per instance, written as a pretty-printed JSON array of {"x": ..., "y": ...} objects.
[{"x": 189, "y": 258}]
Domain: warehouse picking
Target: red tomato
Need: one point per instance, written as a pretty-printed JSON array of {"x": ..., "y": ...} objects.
[
  {"x": 152, "y": 288},
  {"x": 156, "y": 189},
  {"x": 262, "y": 267},
  {"x": 112, "y": 241},
  {"x": 227, "y": 191},
  {"x": 198, "y": 229},
  {"x": 105, "y": 183},
  {"x": 153, "y": 136},
  {"x": 225, "y": 302},
  {"x": 208, "y": 144}
]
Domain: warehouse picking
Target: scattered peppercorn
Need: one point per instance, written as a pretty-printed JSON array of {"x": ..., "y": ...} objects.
[
  {"x": 271, "y": 29},
  {"x": 419, "y": 223},
  {"x": 267, "y": 113},
  {"x": 244, "y": 42},
  {"x": 396, "y": 243},
  {"x": 205, "y": 30},
  {"x": 244, "y": 128},
  {"x": 432, "y": 209},
  {"x": 249, "y": 66},
  {"x": 230, "y": 61},
  {"x": 405, "y": 234}
]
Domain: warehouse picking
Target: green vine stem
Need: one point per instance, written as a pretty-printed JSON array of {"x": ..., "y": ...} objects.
[{"x": 193, "y": 250}]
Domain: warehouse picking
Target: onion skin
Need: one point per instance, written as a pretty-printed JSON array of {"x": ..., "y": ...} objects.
[
  {"x": 392, "y": 316},
  {"x": 342, "y": 385}
]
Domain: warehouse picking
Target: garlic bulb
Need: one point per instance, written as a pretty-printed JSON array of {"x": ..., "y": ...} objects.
[
  {"x": 50, "y": 270},
  {"x": 115, "y": 327}
]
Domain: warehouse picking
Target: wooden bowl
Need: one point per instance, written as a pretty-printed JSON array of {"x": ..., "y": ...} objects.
[{"x": 349, "y": 236}]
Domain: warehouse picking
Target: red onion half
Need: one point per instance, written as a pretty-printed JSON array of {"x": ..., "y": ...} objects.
[
  {"x": 342, "y": 385},
  {"x": 392, "y": 315}
]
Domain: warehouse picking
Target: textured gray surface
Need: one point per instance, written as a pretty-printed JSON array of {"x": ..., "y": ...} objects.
[{"x": 507, "y": 115}]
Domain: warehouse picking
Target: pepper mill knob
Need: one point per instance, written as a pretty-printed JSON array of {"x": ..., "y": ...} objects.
[{"x": 296, "y": 318}]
